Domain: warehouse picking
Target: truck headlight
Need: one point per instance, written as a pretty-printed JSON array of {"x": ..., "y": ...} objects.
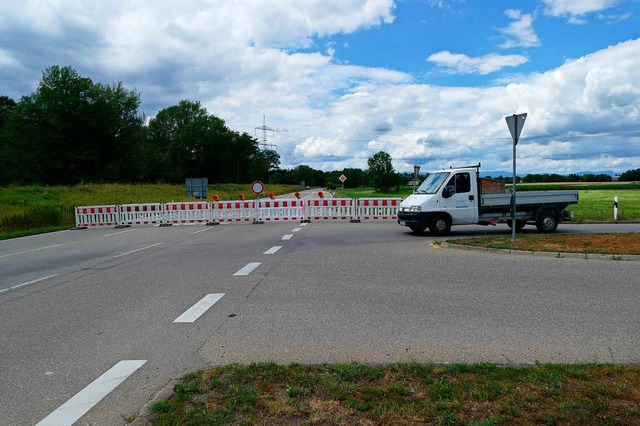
[{"x": 415, "y": 209}]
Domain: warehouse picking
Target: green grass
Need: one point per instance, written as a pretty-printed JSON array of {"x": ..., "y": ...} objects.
[
  {"x": 38, "y": 208},
  {"x": 464, "y": 394}
]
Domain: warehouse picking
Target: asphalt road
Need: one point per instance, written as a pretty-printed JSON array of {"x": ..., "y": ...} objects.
[{"x": 86, "y": 313}]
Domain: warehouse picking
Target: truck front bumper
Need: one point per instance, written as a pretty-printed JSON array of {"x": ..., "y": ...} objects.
[{"x": 415, "y": 219}]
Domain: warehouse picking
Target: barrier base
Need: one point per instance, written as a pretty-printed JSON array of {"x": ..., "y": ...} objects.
[
  {"x": 78, "y": 228},
  {"x": 258, "y": 222},
  {"x": 355, "y": 221},
  {"x": 122, "y": 226},
  {"x": 212, "y": 223},
  {"x": 162, "y": 225},
  {"x": 305, "y": 221}
]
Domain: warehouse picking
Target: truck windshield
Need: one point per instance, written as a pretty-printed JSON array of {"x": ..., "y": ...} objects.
[{"x": 432, "y": 183}]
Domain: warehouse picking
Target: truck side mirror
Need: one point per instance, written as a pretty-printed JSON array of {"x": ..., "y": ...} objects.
[{"x": 448, "y": 192}]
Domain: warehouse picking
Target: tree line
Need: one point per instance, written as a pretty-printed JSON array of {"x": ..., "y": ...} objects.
[{"x": 72, "y": 130}]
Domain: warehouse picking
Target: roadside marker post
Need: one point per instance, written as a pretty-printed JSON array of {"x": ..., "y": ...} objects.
[{"x": 615, "y": 208}]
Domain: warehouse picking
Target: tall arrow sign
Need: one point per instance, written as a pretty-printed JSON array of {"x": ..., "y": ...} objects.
[{"x": 515, "y": 123}]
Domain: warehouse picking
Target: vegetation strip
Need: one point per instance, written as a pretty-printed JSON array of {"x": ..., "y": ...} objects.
[
  {"x": 458, "y": 394},
  {"x": 608, "y": 244}
]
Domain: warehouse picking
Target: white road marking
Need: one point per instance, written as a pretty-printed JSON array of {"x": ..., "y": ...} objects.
[
  {"x": 202, "y": 230},
  {"x": 31, "y": 282},
  {"x": 29, "y": 251},
  {"x": 273, "y": 250},
  {"x": 117, "y": 233},
  {"x": 194, "y": 312},
  {"x": 69, "y": 412},
  {"x": 296, "y": 230},
  {"x": 304, "y": 224},
  {"x": 287, "y": 237},
  {"x": 247, "y": 269},
  {"x": 137, "y": 250}
]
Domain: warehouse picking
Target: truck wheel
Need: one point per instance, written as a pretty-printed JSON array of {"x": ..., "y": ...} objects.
[
  {"x": 418, "y": 229},
  {"x": 547, "y": 222},
  {"x": 519, "y": 224},
  {"x": 440, "y": 225}
]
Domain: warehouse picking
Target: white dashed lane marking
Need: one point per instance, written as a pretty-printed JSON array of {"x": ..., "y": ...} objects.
[
  {"x": 30, "y": 282},
  {"x": 137, "y": 250},
  {"x": 194, "y": 312},
  {"x": 69, "y": 412},
  {"x": 273, "y": 250},
  {"x": 247, "y": 269},
  {"x": 287, "y": 237},
  {"x": 296, "y": 230},
  {"x": 30, "y": 251}
]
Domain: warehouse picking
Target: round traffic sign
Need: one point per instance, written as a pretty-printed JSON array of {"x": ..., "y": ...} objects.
[{"x": 257, "y": 187}]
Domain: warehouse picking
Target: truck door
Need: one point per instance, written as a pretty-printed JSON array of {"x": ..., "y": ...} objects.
[{"x": 460, "y": 199}]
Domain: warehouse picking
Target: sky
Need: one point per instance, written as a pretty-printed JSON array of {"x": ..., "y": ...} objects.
[{"x": 428, "y": 81}]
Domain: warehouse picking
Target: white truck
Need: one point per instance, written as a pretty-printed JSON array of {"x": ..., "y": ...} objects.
[{"x": 458, "y": 196}]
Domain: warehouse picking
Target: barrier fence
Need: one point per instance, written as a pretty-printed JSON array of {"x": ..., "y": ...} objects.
[{"x": 251, "y": 211}]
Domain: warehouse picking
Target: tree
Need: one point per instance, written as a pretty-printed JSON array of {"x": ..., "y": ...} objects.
[
  {"x": 381, "y": 171},
  {"x": 71, "y": 130},
  {"x": 630, "y": 176}
]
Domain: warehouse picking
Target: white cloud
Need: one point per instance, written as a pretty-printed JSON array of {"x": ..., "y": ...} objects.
[
  {"x": 520, "y": 31},
  {"x": 575, "y": 11},
  {"x": 460, "y": 63},
  {"x": 232, "y": 57}
]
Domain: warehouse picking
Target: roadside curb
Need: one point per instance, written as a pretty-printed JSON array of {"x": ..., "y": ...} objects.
[
  {"x": 558, "y": 255},
  {"x": 146, "y": 412}
]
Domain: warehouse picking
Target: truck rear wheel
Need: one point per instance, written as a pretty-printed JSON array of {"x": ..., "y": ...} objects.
[
  {"x": 547, "y": 222},
  {"x": 440, "y": 225}
]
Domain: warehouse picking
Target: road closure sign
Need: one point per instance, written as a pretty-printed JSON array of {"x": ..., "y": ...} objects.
[{"x": 257, "y": 187}]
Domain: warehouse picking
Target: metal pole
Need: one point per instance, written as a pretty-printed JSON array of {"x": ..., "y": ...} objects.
[{"x": 513, "y": 195}]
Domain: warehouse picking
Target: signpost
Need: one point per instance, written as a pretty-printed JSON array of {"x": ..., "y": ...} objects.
[
  {"x": 515, "y": 123},
  {"x": 197, "y": 187},
  {"x": 416, "y": 170},
  {"x": 342, "y": 179}
]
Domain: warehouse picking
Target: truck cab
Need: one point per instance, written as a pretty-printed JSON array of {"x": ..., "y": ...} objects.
[{"x": 445, "y": 198}]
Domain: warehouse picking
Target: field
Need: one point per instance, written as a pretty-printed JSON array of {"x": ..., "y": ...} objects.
[{"x": 33, "y": 209}]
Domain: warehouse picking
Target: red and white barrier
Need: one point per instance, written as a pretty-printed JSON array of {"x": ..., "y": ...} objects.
[
  {"x": 334, "y": 209},
  {"x": 377, "y": 209},
  {"x": 188, "y": 213},
  {"x": 244, "y": 211},
  {"x": 87, "y": 216},
  {"x": 141, "y": 214},
  {"x": 281, "y": 210},
  {"x": 233, "y": 211}
]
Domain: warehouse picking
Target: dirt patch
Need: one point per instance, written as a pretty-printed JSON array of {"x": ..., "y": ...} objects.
[{"x": 589, "y": 243}]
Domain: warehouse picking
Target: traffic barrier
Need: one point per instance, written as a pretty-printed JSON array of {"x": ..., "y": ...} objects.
[
  {"x": 377, "y": 209},
  {"x": 87, "y": 216},
  {"x": 245, "y": 211},
  {"x": 334, "y": 209},
  {"x": 141, "y": 214},
  {"x": 280, "y": 210},
  {"x": 186, "y": 213},
  {"x": 233, "y": 211}
]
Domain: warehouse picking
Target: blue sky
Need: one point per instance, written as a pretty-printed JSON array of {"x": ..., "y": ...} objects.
[{"x": 429, "y": 81}]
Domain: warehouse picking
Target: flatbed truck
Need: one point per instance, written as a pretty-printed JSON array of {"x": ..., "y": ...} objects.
[{"x": 458, "y": 196}]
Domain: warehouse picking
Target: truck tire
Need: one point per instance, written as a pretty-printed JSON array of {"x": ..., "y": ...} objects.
[
  {"x": 547, "y": 222},
  {"x": 519, "y": 224},
  {"x": 440, "y": 225},
  {"x": 418, "y": 229}
]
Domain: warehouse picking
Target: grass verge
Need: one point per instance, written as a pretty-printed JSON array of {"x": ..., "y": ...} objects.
[
  {"x": 356, "y": 394},
  {"x": 614, "y": 244}
]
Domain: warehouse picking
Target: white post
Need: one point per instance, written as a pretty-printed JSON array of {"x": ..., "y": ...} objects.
[{"x": 615, "y": 208}]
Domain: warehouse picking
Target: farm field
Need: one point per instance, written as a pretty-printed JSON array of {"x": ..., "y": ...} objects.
[{"x": 25, "y": 208}]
